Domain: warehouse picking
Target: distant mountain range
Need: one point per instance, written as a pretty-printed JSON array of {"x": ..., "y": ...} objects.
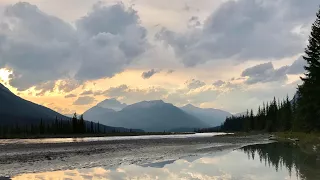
[
  {"x": 17, "y": 111},
  {"x": 213, "y": 117},
  {"x": 155, "y": 116}
]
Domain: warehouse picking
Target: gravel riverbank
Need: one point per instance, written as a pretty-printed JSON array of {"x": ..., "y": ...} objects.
[{"x": 25, "y": 158}]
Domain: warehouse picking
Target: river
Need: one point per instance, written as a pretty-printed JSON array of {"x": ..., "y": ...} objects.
[{"x": 203, "y": 157}]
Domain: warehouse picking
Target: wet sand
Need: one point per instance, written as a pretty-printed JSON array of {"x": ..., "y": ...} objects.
[{"x": 25, "y": 158}]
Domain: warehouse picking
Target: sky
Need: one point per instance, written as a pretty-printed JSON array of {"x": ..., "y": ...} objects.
[{"x": 227, "y": 54}]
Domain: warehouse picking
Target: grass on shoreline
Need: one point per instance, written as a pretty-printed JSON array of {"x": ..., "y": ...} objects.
[
  {"x": 308, "y": 142},
  {"x": 305, "y": 138}
]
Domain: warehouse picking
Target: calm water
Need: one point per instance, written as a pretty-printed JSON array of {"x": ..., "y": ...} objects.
[
  {"x": 273, "y": 161},
  {"x": 89, "y": 139}
]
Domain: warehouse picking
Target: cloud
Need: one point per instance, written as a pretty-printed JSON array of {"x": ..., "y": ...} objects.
[
  {"x": 132, "y": 95},
  {"x": 113, "y": 38},
  {"x": 45, "y": 87},
  {"x": 98, "y": 93},
  {"x": 86, "y": 100},
  {"x": 68, "y": 85},
  {"x": 194, "y": 84},
  {"x": 218, "y": 83},
  {"x": 41, "y": 48},
  {"x": 117, "y": 91},
  {"x": 244, "y": 30},
  {"x": 36, "y": 46},
  {"x": 207, "y": 94},
  {"x": 65, "y": 111},
  {"x": 70, "y": 96},
  {"x": 253, "y": 96},
  {"x": 194, "y": 22},
  {"x": 170, "y": 71},
  {"x": 178, "y": 97},
  {"x": 89, "y": 92},
  {"x": 186, "y": 7},
  {"x": 149, "y": 74},
  {"x": 263, "y": 73},
  {"x": 297, "y": 67}
]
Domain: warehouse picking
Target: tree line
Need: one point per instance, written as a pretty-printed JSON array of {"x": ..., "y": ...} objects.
[
  {"x": 75, "y": 125},
  {"x": 271, "y": 116},
  {"x": 300, "y": 114}
]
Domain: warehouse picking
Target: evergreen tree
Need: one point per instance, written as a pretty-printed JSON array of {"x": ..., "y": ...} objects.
[
  {"x": 251, "y": 120},
  {"x": 82, "y": 126},
  {"x": 41, "y": 127},
  {"x": 91, "y": 127},
  {"x": 75, "y": 123},
  {"x": 308, "y": 112},
  {"x": 288, "y": 114}
]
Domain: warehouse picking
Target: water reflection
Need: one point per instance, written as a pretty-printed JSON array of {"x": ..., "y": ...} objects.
[
  {"x": 288, "y": 156},
  {"x": 258, "y": 162}
]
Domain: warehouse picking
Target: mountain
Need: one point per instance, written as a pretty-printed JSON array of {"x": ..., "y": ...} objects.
[
  {"x": 15, "y": 110},
  {"x": 99, "y": 114},
  {"x": 153, "y": 116},
  {"x": 213, "y": 117},
  {"x": 112, "y": 104}
]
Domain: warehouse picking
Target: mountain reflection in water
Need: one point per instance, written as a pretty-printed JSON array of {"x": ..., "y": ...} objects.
[{"x": 275, "y": 161}]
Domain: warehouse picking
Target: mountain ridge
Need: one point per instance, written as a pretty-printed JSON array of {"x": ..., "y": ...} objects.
[
  {"x": 211, "y": 116},
  {"x": 147, "y": 115}
]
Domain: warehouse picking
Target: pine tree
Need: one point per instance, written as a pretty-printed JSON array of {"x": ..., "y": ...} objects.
[
  {"x": 288, "y": 117},
  {"x": 41, "y": 127},
  {"x": 82, "y": 125},
  {"x": 56, "y": 126},
  {"x": 251, "y": 120},
  {"x": 75, "y": 123},
  {"x": 247, "y": 122},
  {"x": 309, "y": 96},
  {"x": 91, "y": 127}
]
